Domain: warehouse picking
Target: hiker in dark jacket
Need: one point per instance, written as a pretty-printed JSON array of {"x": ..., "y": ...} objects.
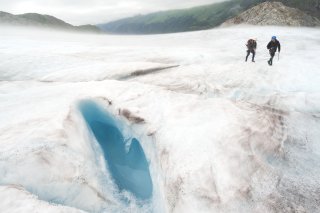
[
  {"x": 252, "y": 46},
  {"x": 273, "y": 45}
]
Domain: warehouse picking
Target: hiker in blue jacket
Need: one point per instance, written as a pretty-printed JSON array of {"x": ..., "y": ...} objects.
[{"x": 273, "y": 46}]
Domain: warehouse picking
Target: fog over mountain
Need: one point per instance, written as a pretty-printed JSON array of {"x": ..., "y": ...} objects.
[
  {"x": 95, "y": 11},
  {"x": 42, "y": 21}
]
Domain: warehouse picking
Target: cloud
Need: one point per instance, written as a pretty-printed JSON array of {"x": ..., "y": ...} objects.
[{"x": 95, "y": 11}]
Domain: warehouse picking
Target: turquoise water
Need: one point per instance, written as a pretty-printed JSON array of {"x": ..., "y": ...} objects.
[{"x": 129, "y": 169}]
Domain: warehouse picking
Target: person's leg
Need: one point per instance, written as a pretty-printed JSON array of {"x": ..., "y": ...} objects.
[
  {"x": 269, "y": 62},
  {"x": 253, "y": 55},
  {"x": 272, "y": 55},
  {"x": 248, "y": 53}
]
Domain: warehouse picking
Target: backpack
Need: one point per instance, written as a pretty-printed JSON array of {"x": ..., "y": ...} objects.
[{"x": 251, "y": 44}]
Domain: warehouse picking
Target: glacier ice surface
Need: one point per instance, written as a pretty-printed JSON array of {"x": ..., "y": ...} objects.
[{"x": 219, "y": 134}]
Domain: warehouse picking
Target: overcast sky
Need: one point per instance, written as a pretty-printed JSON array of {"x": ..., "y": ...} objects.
[{"x": 95, "y": 11}]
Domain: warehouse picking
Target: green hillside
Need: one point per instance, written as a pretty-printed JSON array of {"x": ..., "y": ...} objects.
[{"x": 197, "y": 18}]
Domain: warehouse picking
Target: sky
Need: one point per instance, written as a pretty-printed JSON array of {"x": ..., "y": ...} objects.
[{"x": 95, "y": 11}]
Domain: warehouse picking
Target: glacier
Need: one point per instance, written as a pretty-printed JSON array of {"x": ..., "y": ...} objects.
[{"x": 217, "y": 134}]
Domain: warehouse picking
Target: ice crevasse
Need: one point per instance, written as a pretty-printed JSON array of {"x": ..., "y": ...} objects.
[{"x": 128, "y": 167}]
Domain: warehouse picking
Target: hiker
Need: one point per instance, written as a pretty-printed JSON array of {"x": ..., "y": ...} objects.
[
  {"x": 273, "y": 45},
  {"x": 252, "y": 46}
]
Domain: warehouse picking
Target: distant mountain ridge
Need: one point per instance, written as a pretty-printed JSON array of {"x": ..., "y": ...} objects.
[
  {"x": 197, "y": 18},
  {"x": 39, "y": 20}
]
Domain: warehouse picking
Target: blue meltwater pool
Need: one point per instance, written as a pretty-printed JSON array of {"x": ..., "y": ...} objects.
[{"x": 128, "y": 167}]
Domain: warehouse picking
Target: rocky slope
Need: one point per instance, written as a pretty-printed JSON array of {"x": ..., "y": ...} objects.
[
  {"x": 274, "y": 13},
  {"x": 38, "y": 20}
]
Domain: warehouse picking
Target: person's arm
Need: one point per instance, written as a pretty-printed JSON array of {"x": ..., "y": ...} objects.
[
  {"x": 269, "y": 45},
  {"x": 279, "y": 46},
  {"x": 255, "y": 45}
]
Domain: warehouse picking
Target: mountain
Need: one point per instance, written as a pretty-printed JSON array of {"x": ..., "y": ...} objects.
[
  {"x": 38, "y": 20},
  {"x": 274, "y": 13},
  {"x": 196, "y": 18}
]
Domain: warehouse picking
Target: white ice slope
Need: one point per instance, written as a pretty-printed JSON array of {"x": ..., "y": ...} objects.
[{"x": 221, "y": 135}]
